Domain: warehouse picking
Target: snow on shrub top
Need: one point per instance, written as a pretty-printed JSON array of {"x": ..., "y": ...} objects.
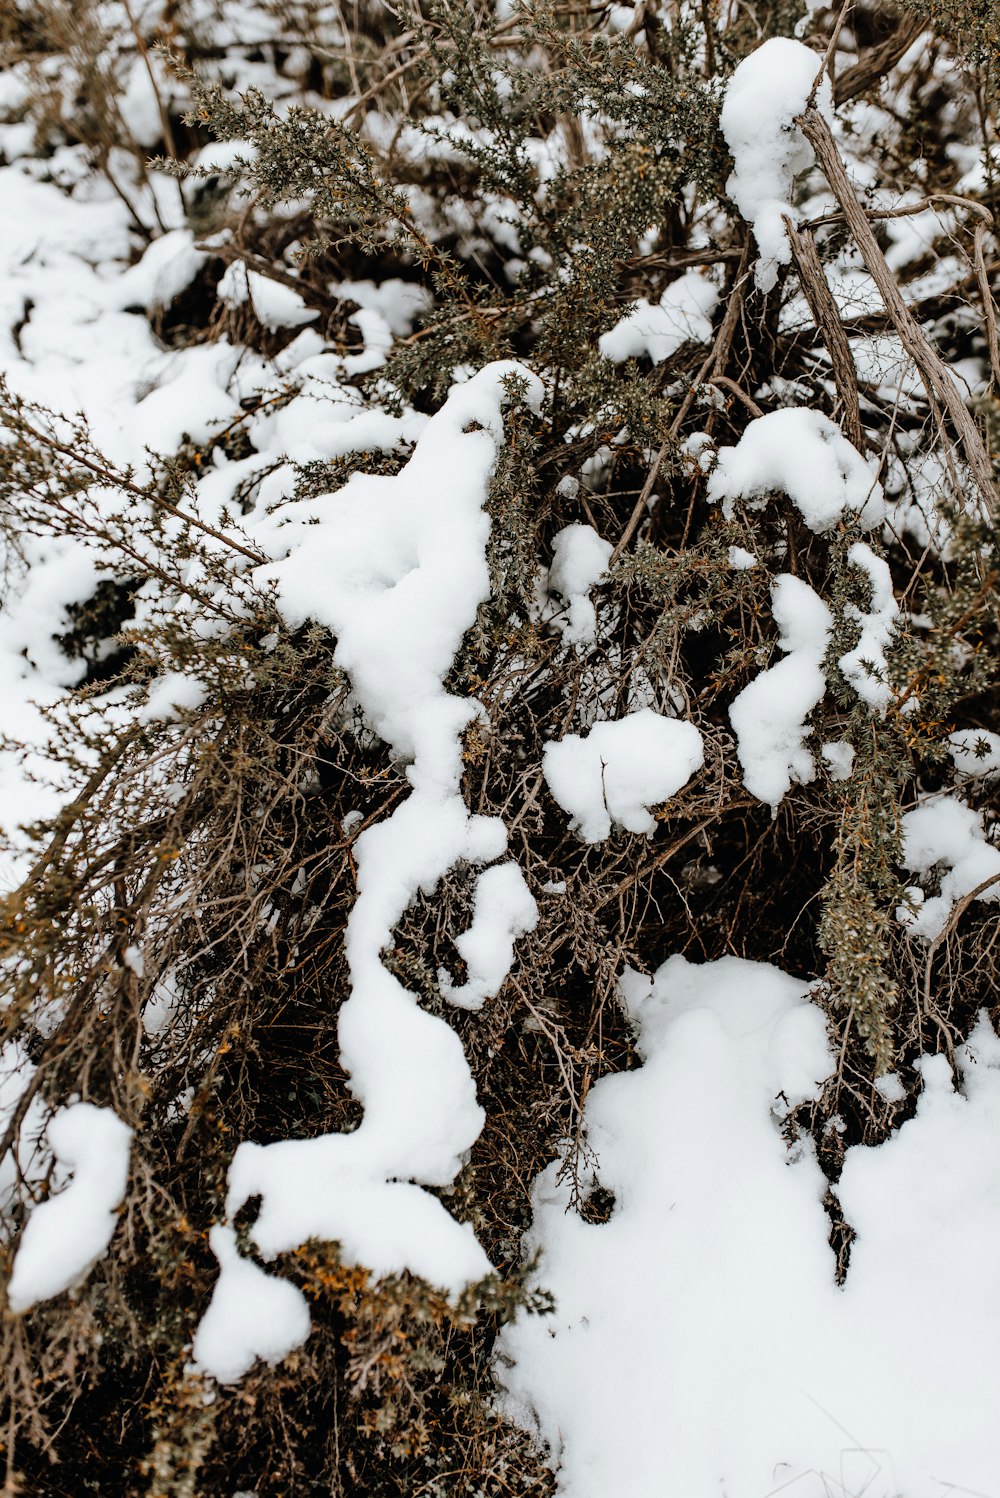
[
  {"x": 579, "y": 561},
  {"x": 65, "y": 1236},
  {"x": 682, "y": 315},
  {"x": 764, "y": 95},
  {"x": 865, "y": 666}
]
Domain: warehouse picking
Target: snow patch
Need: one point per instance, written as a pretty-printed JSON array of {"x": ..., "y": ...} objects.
[
  {"x": 504, "y": 910},
  {"x": 65, "y": 1235},
  {"x": 946, "y": 833},
  {"x": 700, "y": 1343},
  {"x": 620, "y": 770},
  {"x": 682, "y": 315},
  {"x": 768, "y": 716},
  {"x": 579, "y": 561},
  {"x": 803, "y": 454},
  {"x": 865, "y": 666}
]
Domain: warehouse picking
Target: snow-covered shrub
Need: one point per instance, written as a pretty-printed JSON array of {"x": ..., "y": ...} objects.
[{"x": 501, "y": 507}]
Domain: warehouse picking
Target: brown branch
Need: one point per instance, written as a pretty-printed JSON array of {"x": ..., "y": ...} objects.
[
  {"x": 937, "y": 379},
  {"x": 826, "y": 316},
  {"x": 713, "y": 366},
  {"x": 876, "y": 62}
]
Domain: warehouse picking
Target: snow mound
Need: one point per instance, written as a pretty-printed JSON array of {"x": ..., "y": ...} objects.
[
  {"x": 275, "y": 304},
  {"x": 252, "y": 1315},
  {"x": 700, "y": 1343},
  {"x": 975, "y": 752},
  {"x": 949, "y": 834},
  {"x": 682, "y": 315},
  {"x": 579, "y": 561},
  {"x": 620, "y": 770},
  {"x": 504, "y": 910},
  {"x": 65, "y": 1235}
]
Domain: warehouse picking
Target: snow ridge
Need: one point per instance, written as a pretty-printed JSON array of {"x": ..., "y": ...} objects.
[{"x": 396, "y": 568}]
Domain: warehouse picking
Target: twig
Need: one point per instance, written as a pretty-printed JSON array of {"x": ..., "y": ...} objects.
[
  {"x": 827, "y": 319},
  {"x": 727, "y": 384},
  {"x": 876, "y": 63},
  {"x": 956, "y": 915},
  {"x": 713, "y": 365},
  {"x": 936, "y": 377}
]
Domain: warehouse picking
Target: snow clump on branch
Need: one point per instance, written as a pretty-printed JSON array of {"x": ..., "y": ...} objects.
[{"x": 765, "y": 94}]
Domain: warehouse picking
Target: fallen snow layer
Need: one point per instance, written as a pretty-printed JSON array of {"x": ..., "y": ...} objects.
[
  {"x": 396, "y": 568},
  {"x": 946, "y": 834},
  {"x": 763, "y": 97},
  {"x": 865, "y": 666},
  {"x": 700, "y": 1344},
  {"x": 579, "y": 561},
  {"x": 803, "y": 454},
  {"x": 620, "y": 770},
  {"x": 65, "y": 1235},
  {"x": 682, "y": 315},
  {"x": 769, "y": 715}
]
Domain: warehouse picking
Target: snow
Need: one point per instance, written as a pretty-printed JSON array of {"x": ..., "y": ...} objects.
[
  {"x": 398, "y": 303},
  {"x": 682, "y": 315},
  {"x": 620, "y": 770},
  {"x": 768, "y": 716},
  {"x": 396, "y": 569},
  {"x": 252, "y": 1315},
  {"x": 700, "y": 1344},
  {"x": 975, "y": 752},
  {"x": 65, "y": 1235},
  {"x": 28, "y": 1161},
  {"x": 865, "y": 666},
  {"x": 948, "y": 833},
  {"x": 274, "y": 303},
  {"x": 763, "y": 97},
  {"x": 579, "y": 561},
  {"x": 801, "y": 453},
  {"x": 167, "y": 267},
  {"x": 838, "y": 755},
  {"x": 504, "y": 910}
]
